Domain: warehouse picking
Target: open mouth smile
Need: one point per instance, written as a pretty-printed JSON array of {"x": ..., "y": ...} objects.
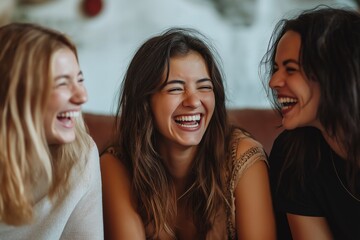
[
  {"x": 188, "y": 121},
  {"x": 66, "y": 118},
  {"x": 287, "y": 102},
  {"x": 69, "y": 114}
]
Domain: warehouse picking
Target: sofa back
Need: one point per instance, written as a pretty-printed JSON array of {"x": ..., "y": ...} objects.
[{"x": 262, "y": 124}]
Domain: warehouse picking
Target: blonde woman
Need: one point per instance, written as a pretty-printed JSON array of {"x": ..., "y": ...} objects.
[{"x": 49, "y": 169}]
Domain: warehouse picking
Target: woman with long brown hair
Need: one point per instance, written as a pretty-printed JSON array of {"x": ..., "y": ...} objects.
[
  {"x": 177, "y": 170},
  {"x": 313, "y": 64}
]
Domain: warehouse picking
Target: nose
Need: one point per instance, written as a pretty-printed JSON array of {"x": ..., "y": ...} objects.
[
  {"x": 276, "y": 81},
  {"x": 191, "y": 100},
  {"x": 79, "y": 94}
]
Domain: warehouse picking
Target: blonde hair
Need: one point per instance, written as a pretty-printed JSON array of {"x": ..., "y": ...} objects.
[{"x": 25, "y": 69}]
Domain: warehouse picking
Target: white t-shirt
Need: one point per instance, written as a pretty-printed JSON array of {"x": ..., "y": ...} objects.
[{"x": 78, "y": 216}]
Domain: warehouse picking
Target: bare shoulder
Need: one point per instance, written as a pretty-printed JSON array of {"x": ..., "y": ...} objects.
[
  {"x": 112, "y": 167},
  {"x": 116, "y": 180},
  {"x": 121, "y": 219},
  {"x": 253, "y": 206}
]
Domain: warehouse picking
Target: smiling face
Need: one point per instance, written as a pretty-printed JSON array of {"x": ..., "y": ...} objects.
[
  {"x": 67, "y": 96},
  {"x": 298, "y": 95},
  {"x": 183, "y": 108}
]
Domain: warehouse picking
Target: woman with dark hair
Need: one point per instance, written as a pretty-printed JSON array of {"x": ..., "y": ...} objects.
[
  {"x": 49, "y": 165},
  {"x": 177, "y": 170},
  {"x": 314, "y": 70}
]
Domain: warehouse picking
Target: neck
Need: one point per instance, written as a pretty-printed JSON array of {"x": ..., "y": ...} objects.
[
  {"x": 178, "y": 160},
  {"x": 179, "y": 163}
]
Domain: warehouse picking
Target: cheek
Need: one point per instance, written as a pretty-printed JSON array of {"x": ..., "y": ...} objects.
[
  {"x": 158, "y": 111},
  {"x": 209, "y": 102},
  {"x": 310, "y": 97},
  {"x": 49, "y": 118},
  {"x": 85, "y": 94},
  {"x": 53, "y": 105},
  {"x": 312, "y": 93}
]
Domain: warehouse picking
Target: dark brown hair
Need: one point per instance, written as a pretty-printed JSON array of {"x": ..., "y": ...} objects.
[{"x": 136, "y": 135}]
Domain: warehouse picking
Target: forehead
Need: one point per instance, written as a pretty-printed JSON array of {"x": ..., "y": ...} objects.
[
  {"x": 183, "y": 66},
  {"x": 64, "y": 60},
  {"x": 289, "y": 46},
  {"x": 187, "y": 64}
]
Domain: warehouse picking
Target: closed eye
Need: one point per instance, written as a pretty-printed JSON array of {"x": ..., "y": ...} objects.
[
  {"x": 291, "y": 66},
  {"x": 206, "y": 88},
  {"x": 174, "y": 90},
  {"x": 291, "y": 70},
  {"x": 204, "y": 84},
  {"x": 61, "y": 82},
  {"x": 174, "y": 86}
]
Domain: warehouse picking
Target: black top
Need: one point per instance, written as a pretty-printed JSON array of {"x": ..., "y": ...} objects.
[{"x": 322, "y": 193}]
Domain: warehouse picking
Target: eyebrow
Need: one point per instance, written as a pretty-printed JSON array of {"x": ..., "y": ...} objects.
[
  {"x": 183, "y": 82},
  {"x": 290, "y": 61},
  {"x": 80, "y": 73}
]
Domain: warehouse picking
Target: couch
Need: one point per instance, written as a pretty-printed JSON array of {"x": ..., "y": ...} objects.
[{"x": 263, "y": 124}]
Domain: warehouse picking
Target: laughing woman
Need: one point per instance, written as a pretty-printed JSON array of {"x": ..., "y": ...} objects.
[
  {"x": 49, "y": 169},
  {"x": 314, "y": 66},
  {"x": 177, "y": 170}
]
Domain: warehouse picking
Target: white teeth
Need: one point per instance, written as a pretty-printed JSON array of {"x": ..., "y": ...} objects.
[
  {"x": 287, "y": 100},
  {"x": 71, "y": 114},
  {"x": 188, "y": 118}
]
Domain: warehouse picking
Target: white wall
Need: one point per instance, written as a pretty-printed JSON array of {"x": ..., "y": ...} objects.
[{"x": 107, "y": 42}]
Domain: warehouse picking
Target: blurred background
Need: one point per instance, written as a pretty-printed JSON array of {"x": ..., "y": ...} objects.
[{"x": 108, "y": 32}]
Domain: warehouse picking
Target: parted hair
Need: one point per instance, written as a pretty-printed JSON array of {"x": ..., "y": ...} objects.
[
  {"x": 137, "y": 137},
  {"x": 26, "y": 159},
  {"x": 329, "y": 55}
]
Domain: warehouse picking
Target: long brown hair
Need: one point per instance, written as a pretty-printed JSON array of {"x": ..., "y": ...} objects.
[
  {"x": 329, "y": 55},
  {"x": 151, "y": 182}
]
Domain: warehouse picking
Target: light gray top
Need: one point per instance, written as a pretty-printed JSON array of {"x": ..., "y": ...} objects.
[{"x": 78, "y": 216}]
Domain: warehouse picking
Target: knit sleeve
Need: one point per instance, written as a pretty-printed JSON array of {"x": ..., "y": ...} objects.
[{"x": 245, "y": 151}]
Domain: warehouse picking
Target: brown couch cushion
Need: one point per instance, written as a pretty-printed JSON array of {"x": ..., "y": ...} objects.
[{"x": 261, "y": 123}]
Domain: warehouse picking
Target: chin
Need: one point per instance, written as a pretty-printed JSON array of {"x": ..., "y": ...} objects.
[
  {"x": 67, "y": 139},
  {"x": 61, "y": 139},
  {"x": 191, "y": 142},
  {"x": 288, "y": 125}
]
